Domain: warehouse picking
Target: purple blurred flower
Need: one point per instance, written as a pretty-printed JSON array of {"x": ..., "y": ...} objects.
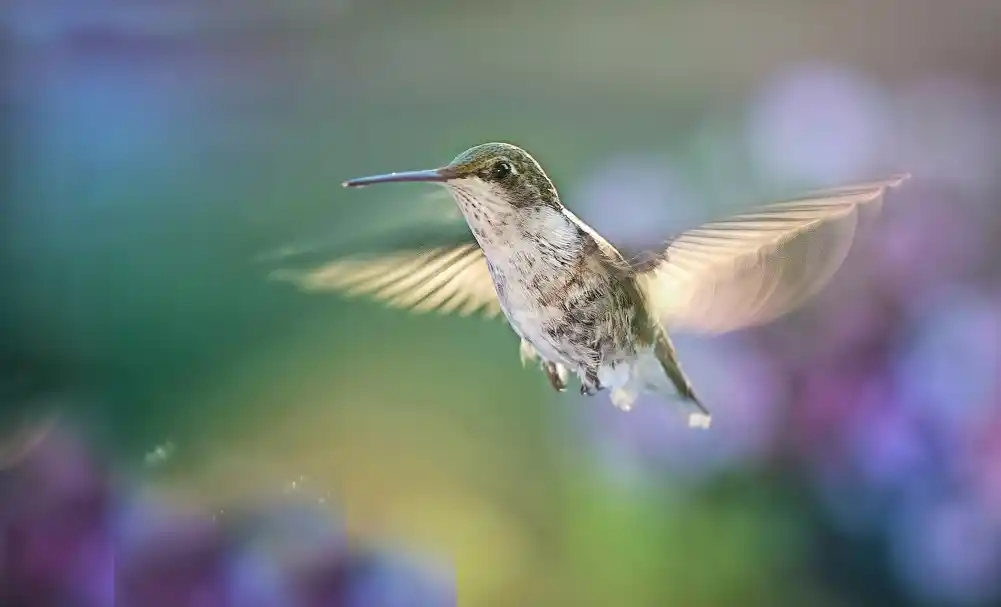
[
  {"x": 56, "y": 530},
  {"x": 948, "y": 550},
  {"x": 71, "y": 537},
  {"x": 389, "y": 579},
  {"x": 949, "y": 372},
  {"x": 929, "y": 244},
  {"x": 169, "y": 557}
]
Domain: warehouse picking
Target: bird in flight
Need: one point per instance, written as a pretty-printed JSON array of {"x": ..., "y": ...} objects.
[{"x": 578, "y": 304}]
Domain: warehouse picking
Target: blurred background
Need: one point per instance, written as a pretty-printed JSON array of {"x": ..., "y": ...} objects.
[{"x": 182, "y": 431}]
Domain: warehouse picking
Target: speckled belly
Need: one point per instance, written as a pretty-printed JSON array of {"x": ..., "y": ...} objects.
[
  {"x": 530, "y": 318},
  {"x": 569, "y": 310},
  {"x": 579, "y": 337}
]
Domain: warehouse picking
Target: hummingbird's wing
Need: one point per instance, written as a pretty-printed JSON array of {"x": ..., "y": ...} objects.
[
  {"x": 438, "y": 270},
  {"x": 754, "y": 267},
  {"x": 15, "y": 445}
]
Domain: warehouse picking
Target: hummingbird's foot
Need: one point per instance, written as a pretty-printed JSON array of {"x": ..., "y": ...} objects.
[
  {"x": 589, "y": 383},
  {"x": 557, "y": 375}
]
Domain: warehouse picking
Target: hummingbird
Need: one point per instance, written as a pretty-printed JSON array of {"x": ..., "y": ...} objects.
[{"x": 576, "y": 302}]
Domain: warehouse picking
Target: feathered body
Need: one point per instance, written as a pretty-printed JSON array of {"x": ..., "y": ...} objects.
[
  {"x": 569, "y": 295},
  {"x": 577, "y": 303}
]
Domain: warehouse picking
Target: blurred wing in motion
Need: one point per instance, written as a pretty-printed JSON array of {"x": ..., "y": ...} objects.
[
  {"x": 753, "y": 268},
  {"x": 16, "y": 445},
  {"x": 420, "y": 221},
  {"x": 446, "y": 278},
  {"x": 421, "y": 256}
]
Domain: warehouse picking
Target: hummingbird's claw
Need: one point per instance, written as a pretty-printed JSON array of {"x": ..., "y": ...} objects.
[
  {"x": 589, "y": 384},
  {"x": 556, "y": 375}
]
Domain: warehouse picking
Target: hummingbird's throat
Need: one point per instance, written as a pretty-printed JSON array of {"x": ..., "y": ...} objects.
[{"x": 489, "y": 215}]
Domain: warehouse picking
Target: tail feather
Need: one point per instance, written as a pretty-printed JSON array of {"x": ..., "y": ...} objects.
[
  {"x": 656, "y": 371},
  {"x": 698, "y": 415}
]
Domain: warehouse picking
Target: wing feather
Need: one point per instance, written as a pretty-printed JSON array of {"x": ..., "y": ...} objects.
[
  {"x": 754, "y": 267},
  {"x": 444, "y": 279}
]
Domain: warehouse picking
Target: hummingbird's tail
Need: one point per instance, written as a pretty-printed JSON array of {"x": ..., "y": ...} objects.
[
  {"x": 698, "y": 415},
  {"x": 657, "y": 370}
]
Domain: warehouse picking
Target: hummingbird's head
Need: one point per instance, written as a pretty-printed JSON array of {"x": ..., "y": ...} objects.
[{"x": 498, "y": 176}]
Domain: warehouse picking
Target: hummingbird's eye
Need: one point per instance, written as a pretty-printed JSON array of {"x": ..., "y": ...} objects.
[{"x": 500, "y": 170}]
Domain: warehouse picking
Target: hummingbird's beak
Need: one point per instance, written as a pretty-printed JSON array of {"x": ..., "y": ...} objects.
[{"x": 433, "y": 175}]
